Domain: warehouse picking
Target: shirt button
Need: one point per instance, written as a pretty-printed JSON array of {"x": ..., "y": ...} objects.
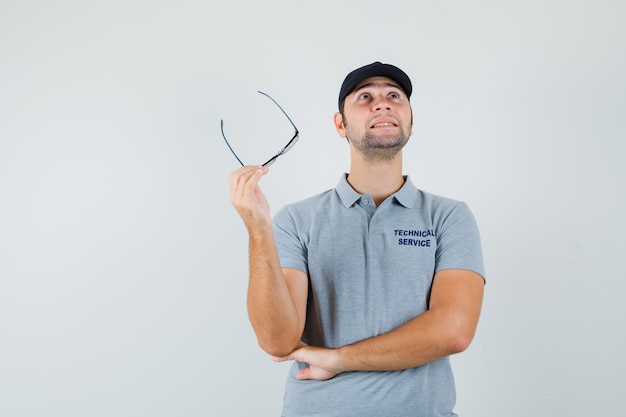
[
  {"x": 374, "y": 220},
  {"x": 366, "y": 201}
]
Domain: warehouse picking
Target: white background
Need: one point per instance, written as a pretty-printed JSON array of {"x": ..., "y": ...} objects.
[{"x": 123, "y": 266}]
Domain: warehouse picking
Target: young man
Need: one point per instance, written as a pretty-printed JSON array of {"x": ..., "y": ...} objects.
[{"x": 368, "y": 287}]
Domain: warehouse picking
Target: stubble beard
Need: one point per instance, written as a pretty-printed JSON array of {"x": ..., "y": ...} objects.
[{"x": 376, "y": 148}]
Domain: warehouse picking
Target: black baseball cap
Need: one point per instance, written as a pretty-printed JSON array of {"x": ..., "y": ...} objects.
[{"x": 375, "y": 69}]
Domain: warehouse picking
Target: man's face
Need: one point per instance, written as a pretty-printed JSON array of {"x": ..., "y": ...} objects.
[{"x": 376, "y": 118}]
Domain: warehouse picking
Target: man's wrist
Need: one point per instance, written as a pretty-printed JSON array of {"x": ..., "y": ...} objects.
[
  {"x": 342, "y": 359},
  {"x": 260, "y": 230}
]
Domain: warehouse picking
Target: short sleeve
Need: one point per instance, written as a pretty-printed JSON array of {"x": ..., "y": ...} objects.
[
  {"x": 458, "y": 241},
  {"x": 291, "y": 251}
]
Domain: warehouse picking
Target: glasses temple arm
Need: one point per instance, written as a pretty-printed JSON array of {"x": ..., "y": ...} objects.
[
  {"x": 281, "y": 109},
  {"x": 228, "y": 144}
]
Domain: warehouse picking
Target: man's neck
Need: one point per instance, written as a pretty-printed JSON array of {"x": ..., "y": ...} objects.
[{"x": 379, "y": 179}]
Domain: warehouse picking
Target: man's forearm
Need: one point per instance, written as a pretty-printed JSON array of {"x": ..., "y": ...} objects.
[
  {"x": 271, "y": 309},
  {"x": 419, "y": 341}
]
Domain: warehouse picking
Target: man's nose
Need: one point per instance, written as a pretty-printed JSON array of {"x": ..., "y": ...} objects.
[{"x": 381, "y": 104}]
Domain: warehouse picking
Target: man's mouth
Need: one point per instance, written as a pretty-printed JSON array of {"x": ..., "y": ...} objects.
[{"x": 383, "y": 124}]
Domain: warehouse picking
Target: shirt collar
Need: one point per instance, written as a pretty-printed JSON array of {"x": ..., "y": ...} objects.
[{"x": 406, "y": 195}]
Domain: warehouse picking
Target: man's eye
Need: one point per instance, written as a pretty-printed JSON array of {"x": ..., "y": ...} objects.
[
  {"x": 364, "y": 96},
  {"x": 394, "y": 95}
]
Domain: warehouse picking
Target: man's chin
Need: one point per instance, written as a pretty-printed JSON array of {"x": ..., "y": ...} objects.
[
  {"x": 384, "y": 142},
  {"x": 382, "y": 151}
]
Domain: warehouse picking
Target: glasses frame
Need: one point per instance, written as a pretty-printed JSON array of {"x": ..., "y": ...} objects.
[{"x": 283, "y": 151}]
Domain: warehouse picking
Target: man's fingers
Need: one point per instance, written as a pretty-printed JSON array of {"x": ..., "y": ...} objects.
[
  {"x": 241, "y": 176},
  {"x": 244, "y": 181},
  {"x": 304, "y": 374}
]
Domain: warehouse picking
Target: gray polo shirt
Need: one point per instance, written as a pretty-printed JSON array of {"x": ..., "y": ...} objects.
[{"x": 370, "y": 270}]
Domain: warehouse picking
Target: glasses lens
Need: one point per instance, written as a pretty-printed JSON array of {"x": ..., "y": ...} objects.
[{"x": 290, "y": 145}]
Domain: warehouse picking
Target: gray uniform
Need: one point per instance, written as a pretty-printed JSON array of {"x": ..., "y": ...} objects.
[{"x": 370, "y": 270}]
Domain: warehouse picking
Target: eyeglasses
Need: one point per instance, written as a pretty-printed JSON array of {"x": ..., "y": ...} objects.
[{"x": 283, "y": 151}]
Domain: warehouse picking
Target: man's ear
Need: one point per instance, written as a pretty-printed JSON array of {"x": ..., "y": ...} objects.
[{"x": 341, "y": 129}]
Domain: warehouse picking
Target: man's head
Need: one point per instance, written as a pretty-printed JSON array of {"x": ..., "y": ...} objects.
[
  {"x": 375, "y": 69},
  {"x": 375, "y": 113}
]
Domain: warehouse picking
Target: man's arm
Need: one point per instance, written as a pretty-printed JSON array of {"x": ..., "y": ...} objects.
[
  {"x": 446, "y": 328},
  {"x": 276, "y": 297}
]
